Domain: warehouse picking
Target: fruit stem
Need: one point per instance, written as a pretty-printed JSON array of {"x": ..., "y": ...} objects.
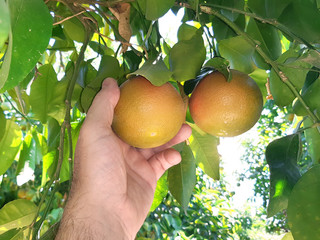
[
  {"x": 184, "y": 96},
  {"x": 272, "y": 63}
]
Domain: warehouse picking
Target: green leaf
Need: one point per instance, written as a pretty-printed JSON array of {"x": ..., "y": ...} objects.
[
  {"x": 132, "y": 60},
  {"x": 65, "y": 168},
  {"x": 160, "y": 192},
  {"x": 13, "y": 234},
  {"x": 57, "y": 32},
  {"x": 313, "y": 141},
  {"x": 100, "y": 48},
  {"x": 25, "y": 82},
  {"x": 182, "y": 177},
  {"x": 47, "y": 162},
  {"x": 31, "y": 27},
  {"x": 155, "y": 71},
  {"x": 260, "y": 76},
  {"x": 51, "y": 233},
  {"x": 186, "y": 32},
  {"x": 239, "y": 53},
  {"x": 154, "y": 9},
  {"x": 3, "y": 123},
  {"x": 16, "y": 214},
  {"x": 204, "y": 148},
  {"x": 311, "y": 97},
  {"x": 288, "y": 236},
  {"x": 306, "y": 17},
  {"x": 24, "y": 154},
  {"x": 9, "y": 145},
  {"x": 303, "y": 207},
  {"x": 63, "y": 45},
  {"x": 64, "y": 172},
  {"x": 220, "y": 64},
  {"x": 296, "y": 71},
  {"x": 232, "y": 4},
  {"x": 4, "y": 22},
  {"x": 43, "y": 91},
  {"x": 282, "y": 155},
  {"x": 222, "y": 30},
  {"x": 109, "y": 67},
  {"x": 74, "y": 29},
  {"x": 312, "y": 57},
  {"x": 20, "y": 97},
  {"x": 86, "y": 73},
  {"x": 268, "y": 8},
  {"x": 31, "y": 151},
  {"x": 187, "y": 57},
  {"x": 35, "y": 154},
  {"x": 53, "y": 137},
  {"x": 267, "y": 37}
]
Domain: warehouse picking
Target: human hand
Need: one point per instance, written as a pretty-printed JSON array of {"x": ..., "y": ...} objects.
[{"x": 114, "y": 183}]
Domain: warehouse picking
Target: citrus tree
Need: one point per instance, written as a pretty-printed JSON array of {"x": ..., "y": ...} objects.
[{"x": 54, "y": 56}]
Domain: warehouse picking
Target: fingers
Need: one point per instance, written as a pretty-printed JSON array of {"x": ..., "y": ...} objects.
[
  {"x": 184, "y": 133},
  {"x": 164, "y": 160},
  {"x": 102, "y": 108}
]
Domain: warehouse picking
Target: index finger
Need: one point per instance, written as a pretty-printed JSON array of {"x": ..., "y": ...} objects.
[{"x": 183, "y": 134}]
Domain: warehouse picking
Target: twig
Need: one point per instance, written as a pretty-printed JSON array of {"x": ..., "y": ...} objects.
[
  {"x": 315, "y": 125},
  {"x": 69, "y": 98},
  {"x": 272, "y": 22},
  {"x": 55, "y": 177},
  {"x": 102, "y": 35},
  {"x": 17, "y": 110},
  {"x": 299, "y": 67},
  {"x": 65, "y": 126},
  {"x": 101, "y": 3},
  {"x": 67, "y": 18}
]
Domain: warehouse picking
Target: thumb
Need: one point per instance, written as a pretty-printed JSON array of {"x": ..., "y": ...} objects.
[
  {"x": 102, "y": 107},
  {"x": 164, "y": 160}
]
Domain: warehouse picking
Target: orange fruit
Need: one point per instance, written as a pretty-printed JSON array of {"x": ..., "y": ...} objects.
[
  {"x": 223, "y": 108},
  {"x": 148, "y": 116},
  {"x": 25, "y": 194}
]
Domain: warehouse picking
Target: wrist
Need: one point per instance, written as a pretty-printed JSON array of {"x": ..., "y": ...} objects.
[{"x": 84, "y": 218}]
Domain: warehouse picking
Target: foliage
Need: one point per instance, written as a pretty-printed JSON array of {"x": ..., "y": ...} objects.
[
  {"x": 208, "y": 216},
  {"x": 54, "y": 56},
  {"x": 274, "y": 122}
]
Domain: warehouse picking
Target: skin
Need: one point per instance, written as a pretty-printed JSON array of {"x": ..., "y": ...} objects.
[{"x": 114, "y": 183}]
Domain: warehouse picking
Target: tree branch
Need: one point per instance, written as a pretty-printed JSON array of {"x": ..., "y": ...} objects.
[
  {"x": 65, "y": 126},
  {"x": 272, "y": 22}
]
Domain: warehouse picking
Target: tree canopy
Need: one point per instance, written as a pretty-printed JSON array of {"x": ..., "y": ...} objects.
[{"x": 54, "y": 56}]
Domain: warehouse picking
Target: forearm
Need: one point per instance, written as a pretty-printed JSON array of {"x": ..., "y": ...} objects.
[{"x": 82, "y": 220}]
